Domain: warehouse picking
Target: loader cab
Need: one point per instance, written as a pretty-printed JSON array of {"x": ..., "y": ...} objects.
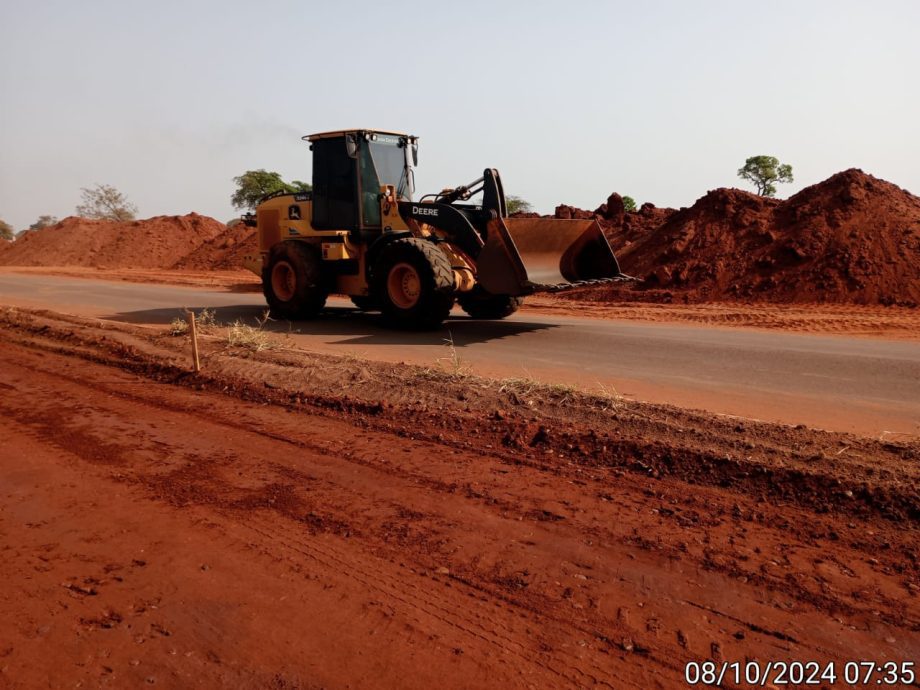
[{"x": 349, "y": 168}]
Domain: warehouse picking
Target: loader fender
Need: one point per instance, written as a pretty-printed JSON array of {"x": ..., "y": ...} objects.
[{"x": 447, "y": 219}]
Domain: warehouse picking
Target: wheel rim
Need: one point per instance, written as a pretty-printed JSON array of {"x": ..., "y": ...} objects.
[
  {"x": 404, "y": 286},
  {"x": 284, "y": 281}
]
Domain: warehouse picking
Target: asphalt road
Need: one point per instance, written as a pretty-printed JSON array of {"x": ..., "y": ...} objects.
[{"x": 863, "y": 385}]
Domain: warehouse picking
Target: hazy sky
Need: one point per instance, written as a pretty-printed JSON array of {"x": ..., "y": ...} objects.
[{"x": 661, "y": 100}]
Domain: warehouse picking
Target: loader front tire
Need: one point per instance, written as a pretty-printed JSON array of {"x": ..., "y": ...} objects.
[
  {"x": 292, "y": 281},
  {"x": 481, "y": 305},
  {"x": 413, "y": 284}
]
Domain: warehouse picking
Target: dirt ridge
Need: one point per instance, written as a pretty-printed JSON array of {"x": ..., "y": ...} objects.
[{"x": 801, "y": 466}]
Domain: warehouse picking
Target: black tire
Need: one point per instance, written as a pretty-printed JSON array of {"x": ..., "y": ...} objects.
[
  {"x": 481, "y": 305},
  {"x": 364, "y": 302},
  {"x": 413, "y": 284},
  {"x": 293, "y": 281}
]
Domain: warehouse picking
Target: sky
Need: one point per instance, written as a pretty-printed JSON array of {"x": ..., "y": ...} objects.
[{"x": 661, "y": 100}]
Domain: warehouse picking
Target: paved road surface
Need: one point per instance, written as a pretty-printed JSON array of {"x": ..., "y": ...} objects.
[{"x": 850, "y": 384}]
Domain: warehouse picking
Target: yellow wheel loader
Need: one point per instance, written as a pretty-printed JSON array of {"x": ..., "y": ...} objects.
[{"x": 360, "y": 233}]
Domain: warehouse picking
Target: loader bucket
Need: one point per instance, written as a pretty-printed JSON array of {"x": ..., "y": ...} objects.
[{"x": 526, "y": 255}]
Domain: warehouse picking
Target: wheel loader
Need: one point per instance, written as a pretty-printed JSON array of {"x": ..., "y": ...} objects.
[{"x": 360, "y": 233}]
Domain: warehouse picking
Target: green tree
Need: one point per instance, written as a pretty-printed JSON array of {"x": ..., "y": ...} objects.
[
  {"x": 6, "y": 231},
  {"x": 104, "y": 202},
  {"x": 629, "y": 203},
  {"x": 252, "y": 185},
  {"x": 43, "y": 222},
  {"x": 516, "y": 204},
  {"x": 764, "y": 171}
]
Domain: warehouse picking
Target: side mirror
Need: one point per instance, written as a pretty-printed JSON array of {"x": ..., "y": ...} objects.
[
  {"x": 415, "y": 152},
  {"x": 351, "y": 145}
]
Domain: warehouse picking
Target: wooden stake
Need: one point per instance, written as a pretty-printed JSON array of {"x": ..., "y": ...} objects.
[{"x": 194, "y": 333}]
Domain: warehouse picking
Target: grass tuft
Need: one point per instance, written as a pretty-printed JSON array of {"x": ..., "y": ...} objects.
[
  {"x": 204, "y": 320},
  {"x": 253, "y": 338},
  {"x": 453, "y": 363}
]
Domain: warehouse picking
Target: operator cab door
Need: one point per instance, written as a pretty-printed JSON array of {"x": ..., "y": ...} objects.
[{"x": 335, "y": 186}]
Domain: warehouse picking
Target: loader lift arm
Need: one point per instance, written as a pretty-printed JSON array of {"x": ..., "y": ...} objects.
[{"x": 518, "y": 256}]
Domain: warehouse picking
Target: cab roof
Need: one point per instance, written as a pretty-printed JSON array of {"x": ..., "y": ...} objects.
[{"x": 343, "y": 132}]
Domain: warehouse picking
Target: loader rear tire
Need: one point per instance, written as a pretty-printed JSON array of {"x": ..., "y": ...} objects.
[
  {"x": 293, "y": 281},
  {"x": 481, "y": 305},
  {"x": 413, "y": 284}
]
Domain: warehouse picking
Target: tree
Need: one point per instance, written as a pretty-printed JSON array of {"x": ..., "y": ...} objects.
[
  {"x": 252, "y": 185},
  {"x": 763, "y": 171},
  {"x": 43, "y": 222},
  {"x": 104, "y": 202},
  {"x": 6, "y": 231},
  {"x": 629, "y": 204},
  {"x": 516, "y": 204}
]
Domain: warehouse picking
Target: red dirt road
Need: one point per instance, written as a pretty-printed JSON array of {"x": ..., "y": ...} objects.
[{"x": 154, "y": 533}]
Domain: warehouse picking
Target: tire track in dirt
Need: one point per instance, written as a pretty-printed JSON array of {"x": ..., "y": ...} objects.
[
  {"x": 769, "y": 460},
  {"x": 624, "y": 561},
  {"x": 66, "y": 435}
]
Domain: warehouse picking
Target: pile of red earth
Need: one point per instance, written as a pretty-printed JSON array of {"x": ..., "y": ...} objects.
[
  {"x": 852, "y": 238},
  {"x": 160, "y": 242},
  {"x": 224, "y": 252}
]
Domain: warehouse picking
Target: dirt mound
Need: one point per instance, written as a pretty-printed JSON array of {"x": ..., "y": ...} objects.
[
  {"x": 852, "y": 238},
  {"x": 160, "y": 242},
  {"x": 697, "y": 243},
  {"x": 224, "y": 252},
  {"x": 636, "y": 225},
  {"x": 621, "y": 227}
]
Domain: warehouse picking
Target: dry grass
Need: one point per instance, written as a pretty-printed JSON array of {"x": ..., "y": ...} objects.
[
  {"x": 252, "y": 338},
  {"x": 453, "y": 363},
  {"x": 204, "y": 320},
  {"x": 178, "y": 326},
  {"x": 531, "y": 392}
]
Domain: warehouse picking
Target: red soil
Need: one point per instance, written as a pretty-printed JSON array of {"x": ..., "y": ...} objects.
[
  {"x": 850, "y": 239},
  {"x": 224, "y": 252},
  {"x": 287, "y": 520},
  {"x": 159, "y": 242}
]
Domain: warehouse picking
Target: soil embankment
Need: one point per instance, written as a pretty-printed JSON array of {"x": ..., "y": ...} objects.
[{"x": 159, "y": 242}]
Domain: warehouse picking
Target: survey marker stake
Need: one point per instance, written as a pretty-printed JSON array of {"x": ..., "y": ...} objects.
[{"x": 193, "y": 331}]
